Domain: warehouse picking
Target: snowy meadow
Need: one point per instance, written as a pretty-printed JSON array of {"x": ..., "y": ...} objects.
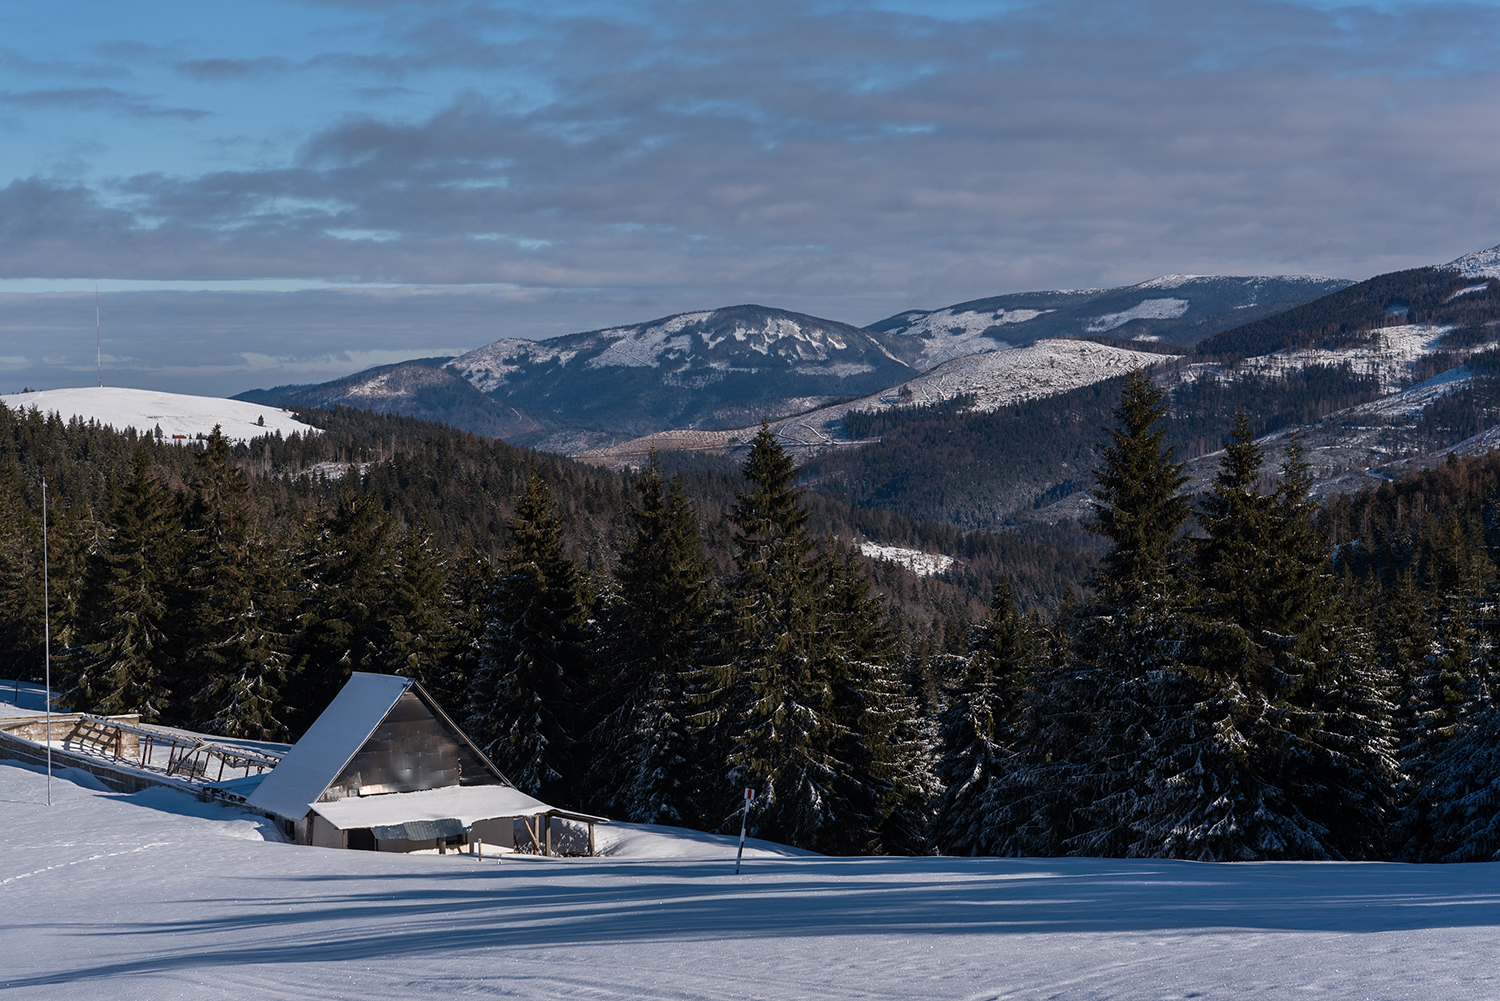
[{"x": 156, "y": 895}]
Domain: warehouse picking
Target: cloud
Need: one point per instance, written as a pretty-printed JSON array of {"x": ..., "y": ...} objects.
[
  {"x": 220, "y": 69},
  {"x": 97, "y": 98},
  {"x": 828, "y": 157}
]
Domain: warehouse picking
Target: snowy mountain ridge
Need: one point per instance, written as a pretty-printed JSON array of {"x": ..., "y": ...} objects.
[
  {"x": 1480, "y": 264},
  {"x": 179, "y": 417},
  {"x": 688, "y": 346}
]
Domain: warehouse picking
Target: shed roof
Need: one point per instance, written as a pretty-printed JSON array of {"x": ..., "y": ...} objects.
[
  {"x": 462, "y": 803},
  {"x": 319, "y": 765}
]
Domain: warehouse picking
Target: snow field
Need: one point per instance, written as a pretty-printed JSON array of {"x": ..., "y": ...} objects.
[
  {"x": 156, "y": 895},
  {"x": 920, "y": 563},
  {"x": 174, "y": 413}
]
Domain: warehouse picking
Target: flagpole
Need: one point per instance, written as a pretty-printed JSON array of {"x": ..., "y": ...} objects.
[{"x": 47, "y": 633}]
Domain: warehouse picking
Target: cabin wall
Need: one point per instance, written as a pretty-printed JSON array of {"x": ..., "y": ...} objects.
[
  {"x": 325, "y": 835},
  {"x": 500, "y": 832}
]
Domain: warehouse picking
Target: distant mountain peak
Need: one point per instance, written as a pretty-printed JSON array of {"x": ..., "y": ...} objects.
[{"x": 1480, "y": 264}]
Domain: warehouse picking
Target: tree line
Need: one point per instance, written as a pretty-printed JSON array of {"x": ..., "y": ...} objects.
[{"x": 1278, "y": 682}]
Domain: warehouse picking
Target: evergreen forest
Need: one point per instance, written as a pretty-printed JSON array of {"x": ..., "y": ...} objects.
[{"x": 1240, "y": 675}]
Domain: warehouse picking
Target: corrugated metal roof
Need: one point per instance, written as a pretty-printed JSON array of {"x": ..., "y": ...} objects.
[{"x": 420, "y": 830}]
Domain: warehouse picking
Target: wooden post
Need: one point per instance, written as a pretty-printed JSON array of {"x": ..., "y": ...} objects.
[
  {"x": 549, "y": 835},
  {"x": 744, "y": 816},
  {"x": 592, "y": 853}
]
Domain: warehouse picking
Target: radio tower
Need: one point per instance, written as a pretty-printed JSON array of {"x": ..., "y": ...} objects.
[{"x": 98, "y": 349}]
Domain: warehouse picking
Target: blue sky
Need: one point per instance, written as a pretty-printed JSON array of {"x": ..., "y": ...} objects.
[{"x": 271, "y": 192}]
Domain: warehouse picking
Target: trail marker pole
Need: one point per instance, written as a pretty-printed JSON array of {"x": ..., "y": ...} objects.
[
  {"x": 744, "y": 816},
  {"x": 47, "y": 633}
]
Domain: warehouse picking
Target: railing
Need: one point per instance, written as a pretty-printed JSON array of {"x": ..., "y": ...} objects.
[{"x": 188, "y": 757}]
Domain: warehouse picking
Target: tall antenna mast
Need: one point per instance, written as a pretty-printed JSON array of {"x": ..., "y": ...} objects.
[{"x": 98, "y": 349}]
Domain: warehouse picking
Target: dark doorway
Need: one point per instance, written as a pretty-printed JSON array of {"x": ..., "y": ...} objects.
[{"x": 361, "y": 840}]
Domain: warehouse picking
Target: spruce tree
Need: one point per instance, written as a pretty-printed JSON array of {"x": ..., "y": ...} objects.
[
  {"x": 532, "y": 669},
  {"x": 652, "y": 766},
  {"x": 346, "y": 575},
  {"x": 239, "y": 631},
  {"x": 128, "y": 654},
  {"x": 21, "y": 652},
  {"x": 978, "y": 738},
  {"x": 422, "y": 614},
  {"x": 1126, "y": 701},
  {"x": 805, "y": 703}
]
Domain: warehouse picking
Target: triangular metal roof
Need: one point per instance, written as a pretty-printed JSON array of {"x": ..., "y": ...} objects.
[{"x": 342, "y": 730}]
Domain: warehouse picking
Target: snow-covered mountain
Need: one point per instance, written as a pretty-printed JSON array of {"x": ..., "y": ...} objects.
[
  {"x": 1480, "y": 264},
  {"x": 1177, "y": 309},
  {"x": 990, "y": 381},
  {"x": 420, "y": 389},
  {"x": 720, "y": 367},
  {"x": 178, "y": 417}
]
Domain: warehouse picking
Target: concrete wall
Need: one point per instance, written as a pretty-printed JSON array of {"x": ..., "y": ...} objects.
[
  {"x": 75, "y": 731},
  {"x": 116, "y": 778}
]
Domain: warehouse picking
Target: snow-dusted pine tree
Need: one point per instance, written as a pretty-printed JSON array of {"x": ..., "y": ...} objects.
[
  {"x": 977, "y": 727},
  {"x": 347, "y": 570},
  {"x": 806, "y": 703},
  {"x": 242, "y": 604},
  {"x": 1457, "y": 803},
  {"x": 533, "y": 658},
  {"x": 652, "y": 763},
  {"x": 1124, "y": 704},
  {"x": 126, "y": 660}
]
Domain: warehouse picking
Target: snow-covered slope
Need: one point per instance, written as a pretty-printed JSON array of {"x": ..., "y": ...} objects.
[
  {"x": 151, "y": 896},
  {"x": 994, "y": 380},
  {"x": 178, "y": 416},
  {"x": 1480, "y": 264},
  {"x": 716, "y": 368},
  {"x": 1179, "y": 309}
]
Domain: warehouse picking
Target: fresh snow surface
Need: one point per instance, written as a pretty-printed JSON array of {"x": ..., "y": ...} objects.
[
  {"x": 1466, "y": 291},
  {"x": 1389, "y": 358},
  {"x": 1480, "y": 264},
  {"x": 1003, "y": 378},
  {"x": 145, "y": 410},
  {"x": 155, "y": 895},
  {"x": 920, "y": 563},
  {"x": 950, "y": 333},
  {"x": 1411, "y": 401},
  {"x": 1148, "y": 309}
]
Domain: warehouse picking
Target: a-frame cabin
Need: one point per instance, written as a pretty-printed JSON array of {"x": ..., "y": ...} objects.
[{"x": 383, "y": 768}]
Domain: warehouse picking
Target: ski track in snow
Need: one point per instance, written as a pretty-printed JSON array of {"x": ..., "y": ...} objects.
[{"x": 154, "y": 896}]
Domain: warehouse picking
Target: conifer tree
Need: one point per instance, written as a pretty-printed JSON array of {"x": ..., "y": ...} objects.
[
  {"x": 532, "y": 670},
  {"x": 1452, "y": 815},
  {"x": 978, "y": 738},
  {"x": 1123, "y": 706},
  {"x": 653, "y": 766},
  {"x": 238, "y": 655},
  {"x": 21, "y": 652},
  {"x": 128, "y": 654},
  {"x": 805, "y": 702},
  {"x": 347, "y": 574},
  {"x": 421, "y": 615}
]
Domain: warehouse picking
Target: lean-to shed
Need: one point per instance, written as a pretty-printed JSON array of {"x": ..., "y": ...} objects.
[{"x": 383, "y": 768}]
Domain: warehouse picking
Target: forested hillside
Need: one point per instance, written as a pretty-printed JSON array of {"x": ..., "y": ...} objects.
[{"x": 1280, "y": 683}]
